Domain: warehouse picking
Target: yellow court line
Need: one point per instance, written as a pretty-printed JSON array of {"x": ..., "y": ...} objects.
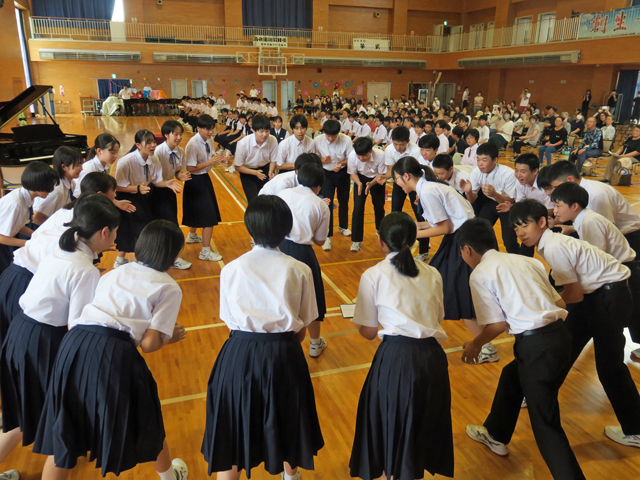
[
  {"x": 197, "y": 278},
  {"x": 215, "y": 174},
  {"x": 202, "y": 327},
  {"x": 215, "y": 250},
  {"x": 335, "y": 288},
  {"x": 352, "y": 261}
]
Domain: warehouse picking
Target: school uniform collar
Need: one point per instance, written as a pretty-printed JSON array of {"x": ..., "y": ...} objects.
[
  {"x": 547, "y": 236},
  {"x": 84, "y": 248},
  {"x": 422, "y": 182},
  {"x": 390, "y": 256},
  {"x": 141, "y": 160},
  {"x": 65, "y": 183},
  {"x": 257, "y": 248},
  {"x": 254, "y": 143},
  {"x": 25, "y": 196},
  {"x": 579, "y": 219},
  {"x": 298, "y": 142},
  {"x": 489, "y": 254}
]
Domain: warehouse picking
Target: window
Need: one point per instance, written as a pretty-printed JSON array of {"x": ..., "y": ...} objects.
[{"x": 118, "y": 11}]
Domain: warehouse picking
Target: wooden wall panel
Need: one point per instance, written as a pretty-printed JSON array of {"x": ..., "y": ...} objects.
[
  {"x": 479, "y": 16},
  {"x": 359, "y": 19},
  {"x": 185, "y": 12},
  {"x": 422, "y": 22}
]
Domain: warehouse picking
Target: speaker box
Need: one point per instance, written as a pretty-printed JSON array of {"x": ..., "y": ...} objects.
[
  {"x": 399, "y": 72},
  {"x": 319, "y": 70}
]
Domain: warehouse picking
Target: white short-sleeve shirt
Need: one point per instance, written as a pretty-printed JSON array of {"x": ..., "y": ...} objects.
[
  {"x": 58, "y": 198},
  {"x": 338, "y": 150},
  {"x": 576, "y": 261},
  {"x": 391, "y": 155},
  {"x": 364, "y": 131},
  {"x": 502, "y": 178},
  {"x": 444, "y": 143},
  {"x": 600, "y": 232},
  {"x": 171, "y": 161},
  {"x": 408, "y": 306},
  {"x": 310, "y": 215},
  {"x": 460, "y": 172},
  {"x": 484, "y": 133},
  {"x": 133, "y": 299},
  {"x": 196, "y": 153},
  {"x": 290, "y": 148},
  {"x": 90, "y": 166},
  {"x": 513, "y": 289},
  {"x": 380, "y": 133},
  {"x": 283, "y": 296},
  {"x": 280, "y": 182},
  {"x": 251, "y": 155},
  {"x": 526, "y": 191},
  {"x": 132, "y": 169},
  {"x": 64, "y": 283},
  {"x": 375, "y": 166},
  {"x": 609, "y": 202},
  {"x": 470, "y": 156},
  {"x": 14, "y": 211},
  {"x": 441, "y": 202}
]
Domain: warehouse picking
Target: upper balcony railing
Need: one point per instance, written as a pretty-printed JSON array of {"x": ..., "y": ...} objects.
[{"x": 595, "y": 25}]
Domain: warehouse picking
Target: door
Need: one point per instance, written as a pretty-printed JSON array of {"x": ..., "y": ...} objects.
[
  {"x": 378, "y": 91},
  {"x": 287, "y": 95},
  {"x": 546, "y": 22},
  {"x": 455, "y": 39},
  {"x": 179, "y": 88},
  {"x": 476, "y": 33},
  {"x": 198, "y": 88},
  {"x": 488, "y": 39},
  {"x": 522, "y": 31},
  {"x": 444, "y": 92},
  {"x": 269, "y": 90}
]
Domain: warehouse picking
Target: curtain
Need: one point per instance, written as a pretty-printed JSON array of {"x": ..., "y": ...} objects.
[
  {"x": 277, "y": 13},
  {"x": 91, "y": 9},
  {"x": 627, "y": 81},
  {"x": 107, "y": 86}
]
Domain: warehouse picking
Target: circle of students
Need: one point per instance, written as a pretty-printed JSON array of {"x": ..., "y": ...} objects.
[{"x": 73, "y": 382}]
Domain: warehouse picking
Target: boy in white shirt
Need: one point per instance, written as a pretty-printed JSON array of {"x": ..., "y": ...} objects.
[
  {"x": 512, "y": 292},
  {"x": 483, "y": 130},
  {"x": 440, "y": 129},
  {"x": 380, "y": 134},
  {"x": 452, "y": 174},
  {"x": 470, "y": 156},
  {"x": 295, "y": 145},
  {"x": 364, "y": 130}
]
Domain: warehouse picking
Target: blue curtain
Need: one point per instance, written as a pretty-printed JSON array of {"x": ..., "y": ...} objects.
[
  {"x": 277, "y": 13},
  {"x": 92, "y": 9},
  {"x": 107, "y": 86},
  {"x": 627, "y": 82}
]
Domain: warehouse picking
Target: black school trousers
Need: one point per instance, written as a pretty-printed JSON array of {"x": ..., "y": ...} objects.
[
  {"x": 634, "y": 242},
  {"x": 397, "y": 204},
  {"x": 251, "y": 184},
  {"x": 337, "y": 182},
  {"x": 537, "y": 373},
  {"x": 376, "y": 192},
  {"x": 485, "y": 207}
]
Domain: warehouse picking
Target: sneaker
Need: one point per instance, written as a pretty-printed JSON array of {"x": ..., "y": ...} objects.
[
  {"x": 194, "y": 238},
  {"x": 524, "y": 403},
  {"x": 481, "y": 435},
  {"x": 117, "y": 264},
  {"x": 316, "y": 349},
  {"x": 423, "y": 257},
  {"x": 488, "y": 354},
  {"x": 345, "y": 231},
  {"x": 635, "y": 356},
  {"x": 617, "y": 435},
  {"x": 210, "y": 256},
  {"x": 230, "y": 169},
  {"x": 11, "y": 475},
  {"x": 605, "y": 180},
  {"x": 377, "y": 233},
  {"x": 327, "y": 245},
  {"x": 355, "y": 247},
  {"x": 253, "y": 244},
  {"x": 181, "y": 469},
  {"x": 181, "y": 264},
  {"x": 297, "y": 476}
]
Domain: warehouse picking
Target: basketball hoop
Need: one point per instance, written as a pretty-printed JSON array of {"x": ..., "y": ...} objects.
[{"x": 272, "y": 62}]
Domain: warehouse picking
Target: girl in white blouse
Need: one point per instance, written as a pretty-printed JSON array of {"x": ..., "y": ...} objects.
[
  {"x": 403, "y": 425},
  {"x": 100, "y": 158},
  {"x": 102, "y": 397},
  {"x": 65, "y": 282}
]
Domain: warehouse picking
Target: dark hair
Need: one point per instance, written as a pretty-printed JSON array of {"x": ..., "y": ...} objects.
[
  {"x": 557, "y": 171},
  {"x": 488, "y": 149},
  {"x": 478, "y": 234},
  {"x": 96, "y": 182},
  {"x": 331, "y": 127},
  {"x": 170, "y": 126},
  {"x": 483, "y": 117},
  {"x": 570, "y": 193},
  {"x": 159, "y": 244},
  {"x": 104, "y": 141},
  {"x": 363, "y": 145},
  {"x": 411, "y": 166},
  {"x": 299, "y": 119},
  {"x": 529, "y": 159},
  {"x": 472, "y": 132},
  {"x": 91, "y": 213},
  {"x": 443, "y": 160},
  {"x": 205, "y": 121},
  {"x": 441, "y": 123},
  {"x": 277, "y": 117},
  {"x": 305, "y": 158},
  {"x": 66, "y": 156},
  {"x": 311, "y": 175},
  {"x": 527, "y": 211},
  {"x": 39, "y": 177},
  {"x": 463, "y": 117},
  {"x": 429, "y": 141},
  {"x": 400, "y": 134},
  {"x": 268, "y": 219},
  {"x": 458, "y": 131},
  {"x": 143, "y": 136},
  {"x": 398, "y": 232}
]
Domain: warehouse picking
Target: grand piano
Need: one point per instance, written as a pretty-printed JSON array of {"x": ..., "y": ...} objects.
[{"x": 32, "y": 142}]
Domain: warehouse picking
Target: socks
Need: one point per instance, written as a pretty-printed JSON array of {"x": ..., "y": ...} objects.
[
  {"x": 314, "y": 341},
  {"x": 121, "y": 260},
  {"x": 289, "y": 477},
  {"x": 206, "y": 249},
  {"x": 168, "y": 475}
]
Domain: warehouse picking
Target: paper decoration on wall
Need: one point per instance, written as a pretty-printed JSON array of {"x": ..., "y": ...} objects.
[
  {"x": 236, "y": 80},
  {"x": 298, "y": 81},
  {"x": 224, "y": 92},
  {"x": 158, "y": 78},
  {"x": 341, "y": 92},
  {"x": 223, "y": 80},
  {"x": 326, "y": 84},
  {"x": 138, "y": 71},
  {"x": 315, "y": 84},
  {"x": 309, "y": 81},
  {"x": 199, "y": 79},
  {"x": 306, "y": 92},
  {"x": 259, "y": 91},
  {"x": 170, "y": 79},
  {"x": 347, "y": 84},
  {"x": 61, "y": 91},
  {"x": 336, "y": 85},
  {"x": 362, "y": 81},
  {"x": 322, "y": 92},
  {"x": 359, "y": 89},
  {"x": 353, "y": 92},
  {"x": 145, "y": 78}
]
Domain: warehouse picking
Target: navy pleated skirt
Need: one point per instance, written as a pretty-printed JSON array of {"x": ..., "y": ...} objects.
[
  {"x": 455, "y": 279},
  {"x": 164, "y": 205},
  {"x": 306, "y": 255},
  {"x": 131, "y": 224},
  {"x": 199, "y": 204},
  {"x": 102, "y": 400},
  {"x": 6, "y": 257},
  {"x": 403, "y": 425},
  {"x": 26, "y": 362},
  {"x": 261, "y": 406},
  {"x": 13, "y": 283}
]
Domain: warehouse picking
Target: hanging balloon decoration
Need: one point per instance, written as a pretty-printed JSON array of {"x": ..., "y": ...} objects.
[
  {"x": 341, "y": 91},
  {"x": 322, "y": 92},
  {"x": 315, "y": 84},
  {"x": 353, "y": 92},
  {"x": 326, "y": 84},
  {"x": 347, "y": 84},
  {"x": 306, "y": 92},
  {"x": 336, "y": 85}
]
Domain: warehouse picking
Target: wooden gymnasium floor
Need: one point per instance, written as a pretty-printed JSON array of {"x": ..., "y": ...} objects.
[{"x": 182, "y": 370}]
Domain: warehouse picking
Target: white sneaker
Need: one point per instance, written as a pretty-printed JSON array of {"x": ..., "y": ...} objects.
[
  {"x": 423, "y": 257},
  {"x": 181, "y": 469},
  {"x": 194, "y": 238},
  {"x": 481, "y": 435},
  {"x": 488, "y": 354},
  {"x": 210, "y": 255},
  {"x": 617, "y": 435},
  {"x": 327, "y": 245},
  {"x": 297, "y": 476},
  {"x": 230, "y": 169},
  {"x": 355, "y": 247},
  {"x": 181, "y": 264},
  {"x": 117, "y": 264},
  {"x": 13, "y": 475},
  {"x": 315, "y": 349},
  {"x": 345, "y": 231},
  {"x": 0, "y": 420},
  {"x": 524, "y": 403},
  {"x": 635, "y": 355}
]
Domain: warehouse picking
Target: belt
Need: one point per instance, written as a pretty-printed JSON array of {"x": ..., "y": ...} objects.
[
  {"x": 609, "y": 287},
  {"x": 552, "y": 327}
]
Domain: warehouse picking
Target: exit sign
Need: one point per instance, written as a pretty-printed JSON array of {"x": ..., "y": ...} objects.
[{"x": 113, "y": 75}]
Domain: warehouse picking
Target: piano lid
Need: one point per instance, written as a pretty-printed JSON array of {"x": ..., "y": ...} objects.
[{"x": 11, "y": 109}]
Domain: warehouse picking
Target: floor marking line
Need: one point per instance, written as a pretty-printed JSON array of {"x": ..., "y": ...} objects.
[
  {"x": 197, "y": 278},
  {"x": 202, "y": 327},
  {"x": 334, "y": 286},
  {"x": 232, "y": 185},
  {"x": 352, "y": 261},
  {"x": 215, "y": 174}
]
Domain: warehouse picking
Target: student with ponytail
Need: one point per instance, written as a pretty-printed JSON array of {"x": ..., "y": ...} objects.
[
  {"x": 403, "y": 424},
  {"x": 65, "y": 282},
  {"x": 137, "y": 174},
  {"x": 100, "y": 158},
  {"x": 444, "y": 210}
]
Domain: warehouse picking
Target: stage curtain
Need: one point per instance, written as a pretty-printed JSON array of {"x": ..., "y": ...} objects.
[{"x": 91, "y": 9}]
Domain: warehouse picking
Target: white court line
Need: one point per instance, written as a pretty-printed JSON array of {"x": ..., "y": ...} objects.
[{"x": 215, "y": 174}]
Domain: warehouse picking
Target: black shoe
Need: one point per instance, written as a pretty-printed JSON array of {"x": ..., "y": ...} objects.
[{"x": 605, "y": 180}]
